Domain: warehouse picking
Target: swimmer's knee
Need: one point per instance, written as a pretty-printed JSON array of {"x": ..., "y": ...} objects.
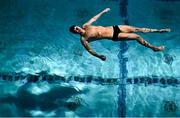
[
  {"x": 134, "y": 36},
  {"x": 137, "y": 29},
  {"x": 138, "y": 37}
]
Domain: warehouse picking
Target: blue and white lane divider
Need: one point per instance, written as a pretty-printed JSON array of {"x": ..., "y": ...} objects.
[{"x": 165, "y": 81}]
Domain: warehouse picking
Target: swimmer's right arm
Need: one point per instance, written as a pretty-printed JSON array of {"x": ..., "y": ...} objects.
[
  {"x": 96, "y": 17},
  {"x": 90, "y": 50}
]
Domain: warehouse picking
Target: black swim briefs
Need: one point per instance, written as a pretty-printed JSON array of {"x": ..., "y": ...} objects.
[{"x": 116, "y": 31}]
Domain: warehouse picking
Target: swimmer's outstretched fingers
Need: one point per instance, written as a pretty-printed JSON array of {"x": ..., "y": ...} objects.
[{"x": 102, "y": 57}]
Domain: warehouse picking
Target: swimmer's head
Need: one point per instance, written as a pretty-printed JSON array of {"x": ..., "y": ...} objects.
[{"x": 76, "y": 29}]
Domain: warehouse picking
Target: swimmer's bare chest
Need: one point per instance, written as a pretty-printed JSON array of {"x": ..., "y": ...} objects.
[{"x": 94, "y": 33}]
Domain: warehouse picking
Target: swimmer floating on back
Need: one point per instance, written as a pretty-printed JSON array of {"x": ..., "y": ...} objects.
[{"x": 91, "y": 33}]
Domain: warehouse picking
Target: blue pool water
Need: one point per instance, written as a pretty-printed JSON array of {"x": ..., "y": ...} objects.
[{"x": 45, "y": 71}]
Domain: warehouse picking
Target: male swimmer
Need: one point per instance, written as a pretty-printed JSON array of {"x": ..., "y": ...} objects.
[{"x": 91, "y": 33}]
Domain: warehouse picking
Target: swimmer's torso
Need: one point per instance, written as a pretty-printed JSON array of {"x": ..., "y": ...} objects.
[{"x": 98, "y": 32}]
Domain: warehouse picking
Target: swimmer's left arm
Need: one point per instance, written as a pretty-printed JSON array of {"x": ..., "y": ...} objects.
[
  {"x": 96, "y": 17},
  {"x": 90, "y": 50}
]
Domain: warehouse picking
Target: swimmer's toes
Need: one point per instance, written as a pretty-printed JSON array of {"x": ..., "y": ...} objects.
[
  {"x": 165, "y": 30},
  {"x": 169, "y": 30},
  {"x": 160, "y": 48}
]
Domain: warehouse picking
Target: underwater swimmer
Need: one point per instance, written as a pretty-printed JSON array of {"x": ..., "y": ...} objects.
[{"x": 91, "y": 33}]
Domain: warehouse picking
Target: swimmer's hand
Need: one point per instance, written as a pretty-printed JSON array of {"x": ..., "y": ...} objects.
[
  {"x": 102, "y": 57},
  {"x": 107, "y": 9}
]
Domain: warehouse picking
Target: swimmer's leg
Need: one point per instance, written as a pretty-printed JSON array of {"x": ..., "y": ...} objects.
[
  {"x": 131, "y": 29},
  {"x": 147, "y": 30},
  {"x": 139, "y": 39}
]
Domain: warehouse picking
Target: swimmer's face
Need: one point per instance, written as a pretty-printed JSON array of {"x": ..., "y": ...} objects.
[{"x": 78, "y": 29}]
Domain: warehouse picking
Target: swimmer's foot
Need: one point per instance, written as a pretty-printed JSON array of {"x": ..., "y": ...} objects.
[
  {"x": 160, "y": 31},
  {"x": 164, "y": 30},
  {"x": 160, "y": 48}
]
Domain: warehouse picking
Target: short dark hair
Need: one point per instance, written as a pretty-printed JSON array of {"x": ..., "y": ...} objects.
[{"x": 71, "y": 29}]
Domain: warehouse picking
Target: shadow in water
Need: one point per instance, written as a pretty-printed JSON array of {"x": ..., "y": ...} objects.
[{"x": 53, "y": 101}]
